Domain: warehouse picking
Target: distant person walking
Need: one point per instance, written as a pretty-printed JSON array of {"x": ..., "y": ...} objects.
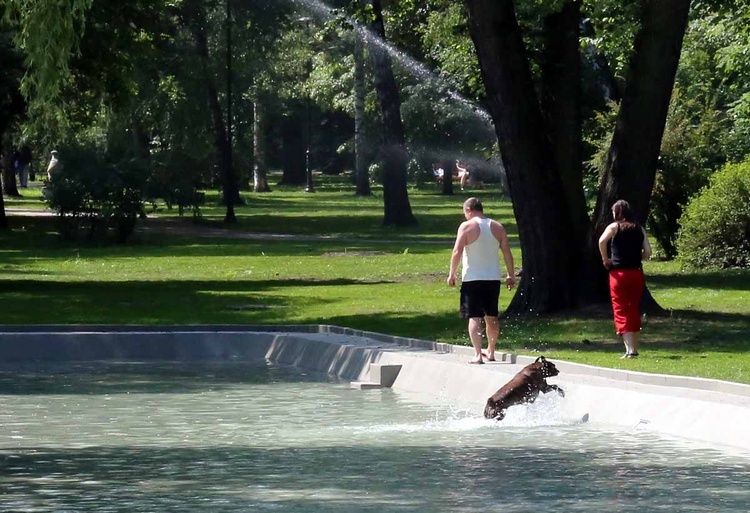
[
  {"x": 54, "y": 165},
  {"x": 477, "y": 243},
  {"x": 24, "y": 166},
  {"x": 623, "y": 245}
]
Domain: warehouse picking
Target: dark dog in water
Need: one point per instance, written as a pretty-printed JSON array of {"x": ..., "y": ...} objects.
[{"x": 523, "y": 388}]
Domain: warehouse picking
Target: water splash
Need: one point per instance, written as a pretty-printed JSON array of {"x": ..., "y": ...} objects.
[
  {"x": 544, "y": 413},
  {"x": 323, "y": 11}
]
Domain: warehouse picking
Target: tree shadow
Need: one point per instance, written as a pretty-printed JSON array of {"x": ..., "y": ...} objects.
[
  {"x": 730, "y": 279},
  {"x": 159, "y": 245},
  {"x": 699, "y": 315},
  {"x": 169, "y": 302}
]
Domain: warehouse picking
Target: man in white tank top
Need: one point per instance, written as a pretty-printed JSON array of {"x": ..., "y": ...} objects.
[{"x": 477, "y": 243}]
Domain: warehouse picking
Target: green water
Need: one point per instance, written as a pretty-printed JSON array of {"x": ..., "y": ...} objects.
[{"x": 157, "y": 437}]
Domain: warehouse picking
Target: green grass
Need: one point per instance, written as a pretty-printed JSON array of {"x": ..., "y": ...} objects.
[
  {"x": 29, "y": 199},
  {"x": 360, "y": 275}
]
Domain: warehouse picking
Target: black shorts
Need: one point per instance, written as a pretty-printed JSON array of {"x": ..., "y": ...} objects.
[{"x": 479, "y": 298}]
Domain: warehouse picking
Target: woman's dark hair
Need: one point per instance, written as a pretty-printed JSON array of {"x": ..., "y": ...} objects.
[{"x": 623, "y": 214}]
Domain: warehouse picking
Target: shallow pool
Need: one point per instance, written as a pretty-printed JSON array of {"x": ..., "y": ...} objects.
[{"x": 253, "y": 437}]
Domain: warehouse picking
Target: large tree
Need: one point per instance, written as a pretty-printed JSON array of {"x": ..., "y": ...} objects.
[
  {"x": 558, "y": 243},
  {"x": 394, "y": 156},
  {"x": 195, "y": 18},
  {"x": 12, "y": 108}
]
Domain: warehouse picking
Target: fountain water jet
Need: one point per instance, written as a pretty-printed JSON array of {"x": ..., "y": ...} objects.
[{"x": 323, "y": 11}]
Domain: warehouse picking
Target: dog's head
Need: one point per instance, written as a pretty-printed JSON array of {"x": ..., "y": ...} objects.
[{"x": 547, "y": 369}]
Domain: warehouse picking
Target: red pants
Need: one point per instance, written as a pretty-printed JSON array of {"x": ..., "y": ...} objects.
[{"x": 626, "y": 288}]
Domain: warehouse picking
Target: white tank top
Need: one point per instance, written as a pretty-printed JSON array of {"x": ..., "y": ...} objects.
[{"x": 480, "y": 260}]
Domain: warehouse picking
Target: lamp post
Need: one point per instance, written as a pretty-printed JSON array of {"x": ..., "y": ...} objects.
[{"x": 309, "y": 187}]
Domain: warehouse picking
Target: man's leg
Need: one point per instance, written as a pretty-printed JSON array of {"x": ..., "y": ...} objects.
[
  {"x": 493, "y": 332},
  {"x": 475, "y": 334}
]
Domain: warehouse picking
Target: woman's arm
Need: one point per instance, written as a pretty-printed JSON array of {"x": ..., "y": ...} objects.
[
  {"x": 609, "y": 232},
  {"x": 646, "y": 250}
]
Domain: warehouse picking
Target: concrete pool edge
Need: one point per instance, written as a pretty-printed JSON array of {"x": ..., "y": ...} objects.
[
  {"x": 708, "y": 410},
  {"x": 667, "y": 380}
]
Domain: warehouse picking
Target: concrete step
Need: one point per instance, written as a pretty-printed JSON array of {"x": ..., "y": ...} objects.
[{"x": 365, "y": 385}]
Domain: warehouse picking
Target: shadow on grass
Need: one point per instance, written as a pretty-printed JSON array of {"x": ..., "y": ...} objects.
[
  {"x": 730, "y": 279},
  {"x": 18, "y": 251},
  {"x": 433, "y": 225},
  {"x": 275, "y": 301},
  {"x": 678, "y": 350},
  {"x": 180, "y": 302},
  {"x": 437, "y": 215},
  {"x": 722, "y": 317}
]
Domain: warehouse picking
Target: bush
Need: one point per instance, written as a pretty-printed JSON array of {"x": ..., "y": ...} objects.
[
  {"x": 715, "y": 225},
  {"x": 176, "y": 180},
  {"x": 94, "y": 197}
]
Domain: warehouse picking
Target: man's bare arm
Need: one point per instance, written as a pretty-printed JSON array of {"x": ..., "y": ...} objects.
[
  {"x": 458, "y": 248},
  {"x": 498, "y": 230}
]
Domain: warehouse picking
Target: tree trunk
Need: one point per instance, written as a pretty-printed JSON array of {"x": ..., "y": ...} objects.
[
  {"x": 636, "y": 143},
  {"x": 561, "y": 108},
  {"x": 548, "y": 251},
  {"x": 557, "y": 272},
  {"x": 633, "y": 155},
  {"x": 223, "y": 151},
  {"x": 360, "y": 137},
  {"x": 140, "y": 140},
  {"x": 3, "y": 217},
  {"x": 10, "y": 188},
  {"x": 260, "y": 169},
  {"x": 448, "y": 166},
  {"x": 397, "y": 210},
  {"x": 293, "y": 146}
]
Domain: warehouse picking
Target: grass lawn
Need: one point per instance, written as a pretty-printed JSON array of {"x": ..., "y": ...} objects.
[
  {"x": 358, "y": 275},
  {"x": 30, "y": 198}
]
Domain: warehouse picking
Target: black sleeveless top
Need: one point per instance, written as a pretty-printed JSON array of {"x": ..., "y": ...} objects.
[{"x": 625, "y": 247}]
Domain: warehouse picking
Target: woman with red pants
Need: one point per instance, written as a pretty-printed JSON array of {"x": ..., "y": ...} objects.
[{"x": 623, "y": 246}]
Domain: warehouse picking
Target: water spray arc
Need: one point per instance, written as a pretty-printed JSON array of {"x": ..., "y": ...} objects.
[{"x": 322, "y": 11}]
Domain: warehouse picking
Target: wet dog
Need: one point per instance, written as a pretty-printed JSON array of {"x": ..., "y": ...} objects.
[{"x": 523, "y": 388}]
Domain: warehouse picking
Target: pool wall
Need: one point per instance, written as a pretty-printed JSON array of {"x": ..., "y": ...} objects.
[{"x": 712, "y": 411}]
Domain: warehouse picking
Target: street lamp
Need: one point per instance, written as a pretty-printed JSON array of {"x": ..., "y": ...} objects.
[{"x": 308, "y": 171}]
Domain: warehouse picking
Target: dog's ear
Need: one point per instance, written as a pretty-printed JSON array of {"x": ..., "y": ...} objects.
[{"x": 540, "y": 359}]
